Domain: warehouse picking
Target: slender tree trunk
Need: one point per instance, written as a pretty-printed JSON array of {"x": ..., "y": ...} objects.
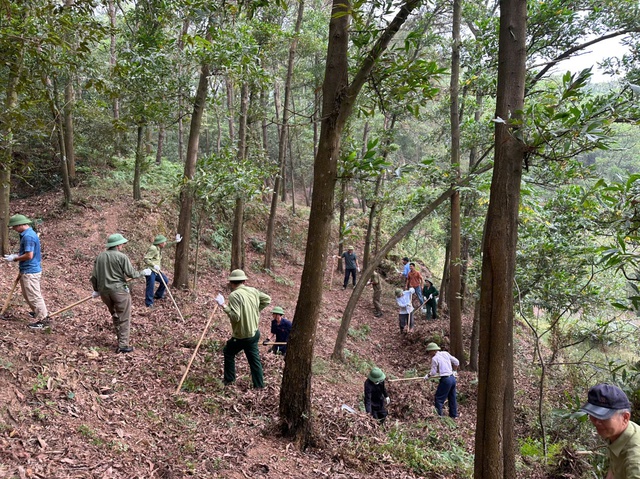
[
  {"x": 161, "y": 136},
  {"x": 494, "y": 445},
  {"x": 112, "y": 63},
  {"x": 237, "y": 240},
  {"x": 69, "y": 101},
  {"x": 52, "y": 91},
  {"x": 455, "y": 266},
  {"x": 443, "y": 299},
  {"x": 137, "y": 170},
  {"x": 475, "y": 337},
  {"x": 341, "y": 222},
  {"x": 181, "y": 264},
  {"x": 183, "y": 32},
  {"x": 230, "y": 109},
  {"x": 283, "y": 140},
  {"x": 292, "y": 179},
  {"x": 6, "y": 152}
]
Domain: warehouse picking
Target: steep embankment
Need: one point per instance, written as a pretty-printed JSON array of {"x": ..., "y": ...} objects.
[{"x": 72, "y": 408}]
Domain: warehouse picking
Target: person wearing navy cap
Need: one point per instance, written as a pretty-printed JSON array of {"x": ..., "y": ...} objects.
[{"x": 610, "y": 411}]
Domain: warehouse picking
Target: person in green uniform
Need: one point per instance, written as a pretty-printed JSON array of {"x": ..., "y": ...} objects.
[
  {"x": 109, "y": 280},
  {"x": 610, "y": 411},
  {"x": 153, "y": 260},
  {"x": 243, "y": 310}
]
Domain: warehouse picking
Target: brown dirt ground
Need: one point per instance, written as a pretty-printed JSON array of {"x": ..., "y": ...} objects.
[{"x": 70, "y": 407}]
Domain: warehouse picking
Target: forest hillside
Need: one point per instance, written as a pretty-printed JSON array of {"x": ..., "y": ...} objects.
[{"x": 73, "y": 408}]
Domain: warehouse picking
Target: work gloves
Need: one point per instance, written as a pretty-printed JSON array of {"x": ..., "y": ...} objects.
[
  {"x": 220, "y": 299},
  {"x": 178, "y": 238},
  {"x": 358, "y": 270},
  {"x": 265, "y": 342},
  {"x": 95, "y": 294},
  {"x": 156, "y": 267},
  {"x": 10, "y": 257},
  {"x": 387, "y": 400},
  {"x": 146, "y": 272}
]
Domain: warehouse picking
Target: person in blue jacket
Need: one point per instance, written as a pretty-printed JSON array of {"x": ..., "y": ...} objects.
[{"x": 280, "y": 330}]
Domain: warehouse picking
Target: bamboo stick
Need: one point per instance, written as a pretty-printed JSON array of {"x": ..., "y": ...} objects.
[{"x": 10, "y": 296}]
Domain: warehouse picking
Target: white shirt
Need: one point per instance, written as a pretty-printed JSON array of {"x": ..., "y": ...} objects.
[
  {"x": 442, "y": 364},
  {"x": 404, "y": 301}
]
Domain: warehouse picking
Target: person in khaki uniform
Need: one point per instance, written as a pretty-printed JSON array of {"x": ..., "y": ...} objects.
[
  {"x": 30, "y": 261},
  {"x": 109, "y": 280},
  {"x": 153, "y": 260},
  {"x": 609, "y": 411},
  {"x": 243, "y": 310}
]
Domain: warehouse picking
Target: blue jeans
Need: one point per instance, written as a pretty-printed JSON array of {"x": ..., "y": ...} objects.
[
  {"x": 447, "y": 391},
  {"x": 152, "y": 279},
  {"x": 419, "y": 294}
]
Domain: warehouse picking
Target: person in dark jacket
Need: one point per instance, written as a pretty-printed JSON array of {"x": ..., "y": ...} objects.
[
  {"x": 430, "y": 293},
  {"x": 375, "y": 395},
  {"x": 280, "y": 330}
]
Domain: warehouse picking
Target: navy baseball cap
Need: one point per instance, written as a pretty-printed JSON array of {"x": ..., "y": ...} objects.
[{"x": 604, "y": 400}]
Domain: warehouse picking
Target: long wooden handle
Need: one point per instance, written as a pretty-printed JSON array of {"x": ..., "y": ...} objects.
[
  {"x": 8, "y": 300},
  {"x": 405, "y": 379},
  {"x": 170, "y": 295},
  {"x": 83, "y": 300},
  {"x": 204, "y": 331},
  {"x": 274, "y": 344}
]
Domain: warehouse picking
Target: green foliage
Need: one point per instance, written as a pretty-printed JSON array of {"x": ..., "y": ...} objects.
[
  {"x": 533, "y": 448},
  {"x": 362, "y": 365}
]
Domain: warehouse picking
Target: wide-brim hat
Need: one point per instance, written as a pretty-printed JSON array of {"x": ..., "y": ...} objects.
[
  {"x": 376, "y": 375},
  {"x": 350, "y": 248},
  {"x": 160, "y": 239},
  {"x": 604, "y": 400},
  {"x": 115, "y": 240},
  {"x": 398, "y": 292},
  {"x": 278, "y": 310},
  {"x": 433, "y": 347},
  {"x": 17, "y": 220},
  {"x": 237, "y": 275}
]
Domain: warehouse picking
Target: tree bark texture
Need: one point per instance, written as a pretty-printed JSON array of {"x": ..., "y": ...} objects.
[
  {"x": 69, "y": 148},
  {"x": 455, "y": 266},
  {"x": 337, "y": 105},
  {"x": 237, "y": 235},
  {"x": 495, "y": 450},
  {"x": 137, "y": 169},
  {"x": 181, "y": 268}
]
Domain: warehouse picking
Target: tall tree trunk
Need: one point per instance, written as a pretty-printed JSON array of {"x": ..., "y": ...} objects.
[
  {"x": 495, "y": 448},
  {"x": 455, "y": 266},
  {"x": 112, "y": 63},
  {"x": 475, "y": 337},
  {"x": 443, "y": 299},
  {"x": 389, "y": 125},
  {"x": 162, "y": 133},
  {"x": 69, "y": 101},
  {"x": 230, "y": 109},
  {"x": 14, "y": 61},
  {"x": 137, "y": 169},
  {"x": 56, "y": 114},
  {"x": 237, "y": 239},
  {"x": 338, "y": 100},
  {"x": 181, "y": 264},
  {"x": 292, "y": 179},
  {"x": 183, "y": 32},
  {"x": 341, "y": 222},
  {"x": 283, "y": 141}
]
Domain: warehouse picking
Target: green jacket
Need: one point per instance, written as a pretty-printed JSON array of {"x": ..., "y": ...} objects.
[
  {"x": 245, "y": 304},
  {"x": 111, "y": 270},
  {"x": 432, "y": 291},
  {"x": 153, "y": 256}
]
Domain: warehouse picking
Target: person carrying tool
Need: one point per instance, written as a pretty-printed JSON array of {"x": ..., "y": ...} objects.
[
  {"x": 405, "y": 316},
  {"x": 376, "y": 398},
  {"x": 29, "y": 258},
  {"x": 376, "y": 282},
  {"x": 445, "y": 367},
  {"x": 245, "y": 304},
  {"x": 153, "y": 260},
  {"x": 429, "y": 292},
  {"x": 109, "y": 280},
  {"x": 280, "y": 330}
]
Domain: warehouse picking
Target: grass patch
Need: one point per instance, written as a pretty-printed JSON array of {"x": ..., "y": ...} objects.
[
  {"x": 361, "y": 333},
  {"x": 362, "y": 365}
]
